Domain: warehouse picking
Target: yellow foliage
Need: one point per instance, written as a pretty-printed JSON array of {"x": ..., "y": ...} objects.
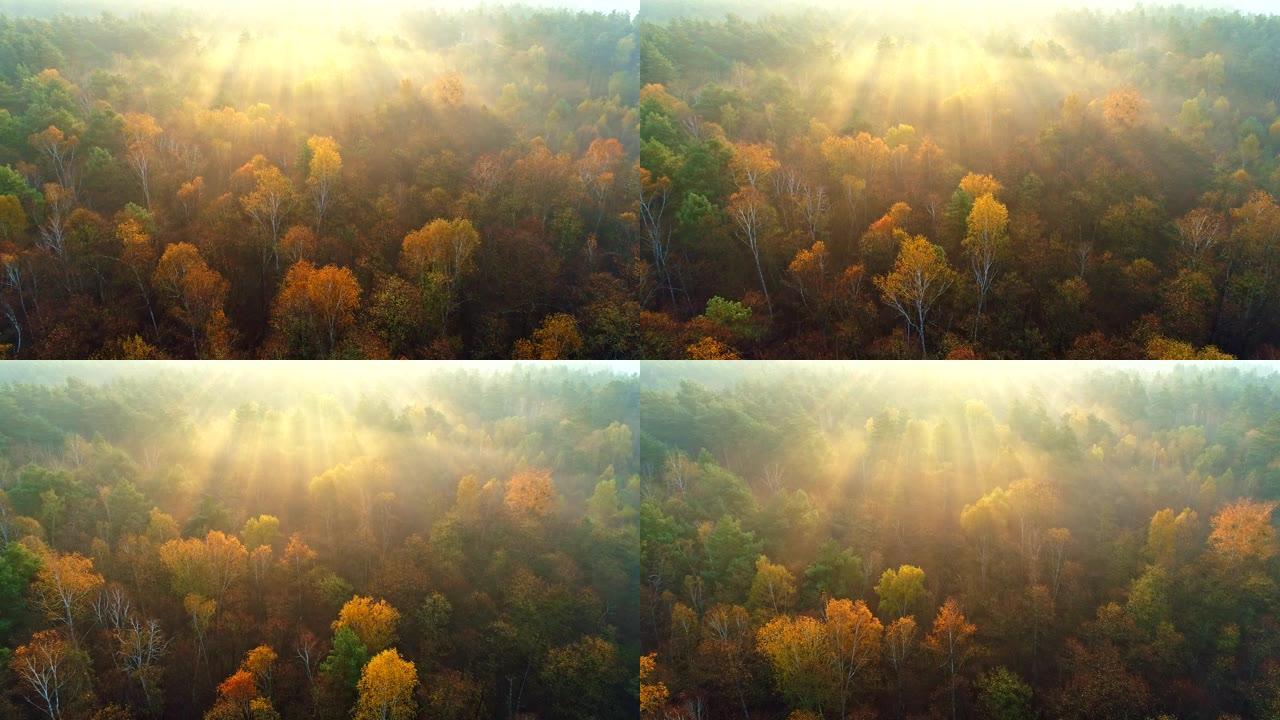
[
  {"x": 386, "y": 689},
  {"x": 443, "y": 246},
  {"x": 556, "y": 339},
  {"x": 978, "y": 185},
  {"x": 373, "y": 621},
  {"x": 1163, "y": 348},
  {"x": 206, "y": 567},
  {"x": 988, "y": 219},
  {"x": 1243, "y": 531},
  {"x": 653, "y": 692},
  {"x": 1124, "y": 107},
  {"x": 530, "y": 492},
  {"x": 258, "y": 662},
  {"x": 708, "y": 348}
]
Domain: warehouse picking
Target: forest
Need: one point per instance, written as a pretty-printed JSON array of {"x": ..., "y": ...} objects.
[
  {"x": 702, "y": 180},
  {"x": 857, "y": 180},
  {"x": 260, "y": 181},
  {"x": 249, "y": 542},
  {"x": 878, "y": 540}
]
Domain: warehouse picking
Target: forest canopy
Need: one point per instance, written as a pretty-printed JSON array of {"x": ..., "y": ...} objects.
[
  {"x": 656, "y": 180},
  {"x": 931, "y": 180},
  {"x": 910, "y": 540},
  {"x": 281, "y": 541},
  {"x": 249, "y": 182}
]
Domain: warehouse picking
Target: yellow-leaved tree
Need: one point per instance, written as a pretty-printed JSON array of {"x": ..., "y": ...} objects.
[
  {"x": 373, "y": 621},
  {"x": 987, "y": 237},
  {"x": 952, "y": 641},
  {"x": 919, "y": 278},
  {"x": 322, "y": 173},
  {"x": 386, "y": 689},
  {"x": 437, "y": 256},
  {"x": 820, "y": 664},
  {"x": 530, "y": 493}
]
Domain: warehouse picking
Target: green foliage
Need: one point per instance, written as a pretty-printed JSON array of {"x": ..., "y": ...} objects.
[
  {"x": 248, "y": 512},
  {"x": 18, "y": 567},
  {"x": 345, "y": 661},
  {"x": 1002, "y": 695},
  {"x": 899, "y": 590},
  {"x": 731, "y": 315},
  {"x": 1028, "y": 515}
]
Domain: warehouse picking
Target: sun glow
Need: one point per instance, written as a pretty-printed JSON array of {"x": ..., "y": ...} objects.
[{"x": 260, "y": 430}]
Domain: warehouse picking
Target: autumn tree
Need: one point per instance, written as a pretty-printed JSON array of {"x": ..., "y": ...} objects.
[
  {"x": 753, "y": 216},
  {"x": 322, "y": 173},
  {"x": 386, "y": 689},
  {"x": 1172, "y": 538},
  {"x": 141, "y": 647},
  {"x": 773, "y": 590},
  {"x": 200, "y": 611},
  {"x": 597, "y": 170},
  {"x": 64, "y": 587},
  {"x": 437, "y": 256},
  {"x": 450, "y": 89},
  {"x": 899, "y": 643},
  {"x": 976, "y": 185},
  {"x": 899, "y": 590},
  {"x": 269, "y": 203},
  {"x": 530, "y": 493},
  {"x": 808, "y": 269},
  {"x": 52, "y": 673},
  {"x": 557, "y": 338},
  {"x": 854, "y": 637},
  {"x": 653, "y": 692},
  {"x": 13, "y": 218},
  {"x": 952, "y": 640},
  {"x": 819, "y": 664},
  {"x": 53, "y": 231},
  {"x": 316, "y": 307},
  {"x": 1242, "y": 531},
  {"x": 919, "y": 278},
  {"x": 260, "y": 662},
  {"x": 138, "y": 253},
  {"x": 298, "y": 243},
  {"x": 260, "y": 530},
  {"x": 1199, "y": 231},
  {"x": 752, "y": 164},
  {"x": 195, "y": 291},
  {"x": 245, "y": 694},
  {"x": 373, "y": 622},
  {"x": 59, "y": 149},
  {"x": 1124, "y": 107},
  {"x": 982, "y": 522},
  {"x": 986, "y": 239},
  {"x": 205, "y": 567},
  {"x": 140, "y": 130},
  {"x": 709, "y": 348},
  {"x": 796, "y": 650}
]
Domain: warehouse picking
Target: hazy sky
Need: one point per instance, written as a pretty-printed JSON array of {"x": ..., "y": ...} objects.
[
  {"x": 365, "y": 8},
  {"x": 937, "y": 8},
  {"x": 371, "y": 7},
  {"x": 1015, "y": 6}
]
